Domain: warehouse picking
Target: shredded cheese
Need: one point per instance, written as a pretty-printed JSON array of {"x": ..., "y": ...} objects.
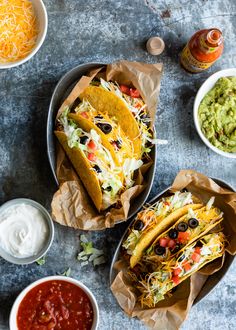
[{"x": 18, "y": 29}]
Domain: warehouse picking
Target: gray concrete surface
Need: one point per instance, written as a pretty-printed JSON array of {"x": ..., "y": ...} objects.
[{"x": 81, "y": 31}]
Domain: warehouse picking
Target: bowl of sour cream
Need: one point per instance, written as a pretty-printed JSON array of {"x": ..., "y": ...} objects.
[{"x": 26, "y": 231}]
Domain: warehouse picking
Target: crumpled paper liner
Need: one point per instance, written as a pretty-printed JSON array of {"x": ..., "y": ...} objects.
[
  {"x": 71, "y": 204},
  {"x": 170, "y": 313}
]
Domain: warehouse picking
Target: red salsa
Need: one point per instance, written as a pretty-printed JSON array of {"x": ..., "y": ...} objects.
[{"x": 55, "y": 305}]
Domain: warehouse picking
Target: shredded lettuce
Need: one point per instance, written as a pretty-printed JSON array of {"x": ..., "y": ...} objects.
[
  {"x": 89, "y": 253},
  {"x": 130, "y": 165},
  {"x": 41, "y": 261},
  {"x": 67, "y": 272},
  {"x": 131, "y": 241},
  {"x": 210, "y": 203}
]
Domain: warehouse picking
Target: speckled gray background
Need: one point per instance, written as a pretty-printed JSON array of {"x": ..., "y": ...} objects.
[{"x": 82, "y": 31}]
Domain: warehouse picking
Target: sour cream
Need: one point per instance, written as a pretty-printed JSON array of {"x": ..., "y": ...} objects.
[{"x": 23, "y": 230}]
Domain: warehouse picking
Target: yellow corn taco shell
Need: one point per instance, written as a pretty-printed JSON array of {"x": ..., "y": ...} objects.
[
  {"x": 110, "y": 104},
  {"x": 84, "y": 170},
  {"x": 208, "y": 219},
  {"x": 148, "y": 237}
]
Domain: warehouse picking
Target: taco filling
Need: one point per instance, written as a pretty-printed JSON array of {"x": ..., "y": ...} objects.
[
  {"x": 156, "y": 285},
  {"x": 120, "y": 143},
  {"x": 192, "y": 225}
]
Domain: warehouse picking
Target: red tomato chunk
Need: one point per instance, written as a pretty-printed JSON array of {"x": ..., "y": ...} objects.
[
  {"x": 55, "y": 305},
  {"x": 164, "y": 241}
]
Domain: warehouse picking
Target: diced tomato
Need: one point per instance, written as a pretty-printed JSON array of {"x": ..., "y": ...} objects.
[
  {"x": 195, "y": 257},
  {"x": 183, "y": 236},
  {"x": 197, "y": 250},
  {"x": 91, "y": 156},
  {"x": 176, "y": 279},
  {"x": 84, "y": 114},
  {"x": 187, "y": 266},
  {"x": 92, "y": 145},
  {"x": 166, "y": 203},
  {"x": 125, "y": 89},
  {"x": 134, "y": 93},
  {"x": 171, "y": 243},
  {"x": 177, "y": 271},
  {"x": 164, "y": 241}
]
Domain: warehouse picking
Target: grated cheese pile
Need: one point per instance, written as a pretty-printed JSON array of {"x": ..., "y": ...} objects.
[{"x": 18, "y": 29}]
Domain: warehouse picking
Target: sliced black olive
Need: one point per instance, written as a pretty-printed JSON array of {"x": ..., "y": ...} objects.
[
  {"x": 144, "y": 115},
  {"x": 83, "y": 139},
  {"x": 118, "y": 143},
  {"x": 176, "y": 249},
  {"x": 99, "y": 117},
  {"x": 193, "y": 223},
  {"x": 184, "y": 190},
  {"x": 159, "y": 250},
  {"x": 106, "y": 128},
  {"x": 108, "y": 188},
  {"x": 173, "y": 233},
  {"x": 97, "y": 169},
  {"x": 138, "y": 225},
  {"x": 199, "y": 244},
  {"x": 182, "y": 257},
  {"x": 182, "y": 226},
  {"x": 174, "y": 289}
]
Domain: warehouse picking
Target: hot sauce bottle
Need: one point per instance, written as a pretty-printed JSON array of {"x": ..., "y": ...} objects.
[{"x": 202, "y": 50}]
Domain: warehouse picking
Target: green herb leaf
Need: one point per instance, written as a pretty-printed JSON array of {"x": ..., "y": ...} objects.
[
  {"x": 67, "y": 272},
  {"x": 41, "y": 261}
]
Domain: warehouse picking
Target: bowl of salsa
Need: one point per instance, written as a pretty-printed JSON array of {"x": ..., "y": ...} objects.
[{"x": 53, "y": 303}]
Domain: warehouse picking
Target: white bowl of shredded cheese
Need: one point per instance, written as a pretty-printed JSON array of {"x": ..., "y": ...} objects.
[{"x": 23, "y": 29}]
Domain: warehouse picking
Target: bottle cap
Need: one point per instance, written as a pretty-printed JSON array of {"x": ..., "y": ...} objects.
[{"x": 155, "y": 46}]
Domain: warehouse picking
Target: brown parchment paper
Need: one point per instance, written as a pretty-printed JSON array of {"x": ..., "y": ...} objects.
[
  {"x": 71, "y": 204},
  {"x": 170, "y": 313}
]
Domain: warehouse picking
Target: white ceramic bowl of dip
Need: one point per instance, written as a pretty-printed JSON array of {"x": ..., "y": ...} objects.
[
  {"x": 48, "y": 224},
  {"x": 204, "y": 89},
  {"x": 42, "y": 19},
  {"x": 15, "y": 307}
]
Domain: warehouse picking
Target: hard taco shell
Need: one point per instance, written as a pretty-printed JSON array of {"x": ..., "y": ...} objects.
[{"x": 83, "y": 169}]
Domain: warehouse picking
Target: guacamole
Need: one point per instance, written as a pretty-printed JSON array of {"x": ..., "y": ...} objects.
[{"x": 217, "y": 114}]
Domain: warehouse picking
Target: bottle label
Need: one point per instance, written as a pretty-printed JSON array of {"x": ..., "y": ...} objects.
[{"x": 190, "y": 63}]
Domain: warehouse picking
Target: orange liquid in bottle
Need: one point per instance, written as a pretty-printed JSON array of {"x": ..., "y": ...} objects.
[{"x": 202, "y": 50}]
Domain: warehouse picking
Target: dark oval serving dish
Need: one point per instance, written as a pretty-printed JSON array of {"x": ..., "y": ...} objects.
[
  {"x": 212, "y": 280},
  {"x": 62, "y": 90}
]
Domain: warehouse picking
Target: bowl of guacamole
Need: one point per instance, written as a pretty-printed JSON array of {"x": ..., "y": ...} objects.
[{"x": 215, "y": 112}]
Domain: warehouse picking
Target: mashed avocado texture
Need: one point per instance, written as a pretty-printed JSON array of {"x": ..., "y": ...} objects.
[{"x": 217, "y": 114}]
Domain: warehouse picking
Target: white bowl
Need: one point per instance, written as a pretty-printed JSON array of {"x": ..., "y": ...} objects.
[
  {"x": 48, "y": 220},
  {"x": 42, "y": 18},
  {"x": 204, "y": 89},
  {"x": 14, "y": 310}
]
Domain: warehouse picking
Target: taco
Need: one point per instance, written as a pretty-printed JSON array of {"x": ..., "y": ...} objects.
[
  {"x": 126, "y": 106},
  {"x": 110, "y": 131},
  {"x": 166, "y": 276},
  {"x": 186, "y": 230},
  {"x": 92, "y": 161},
  {"x": 154, "y": 220}
]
